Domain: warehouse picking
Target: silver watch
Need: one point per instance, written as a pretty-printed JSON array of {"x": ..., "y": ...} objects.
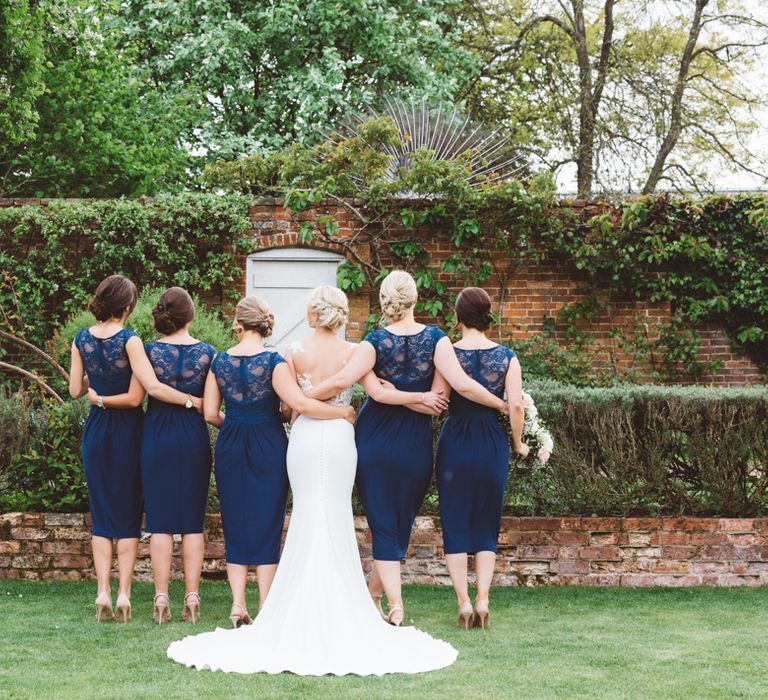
[
  {"x": 100, "y": 402},
  {"x": 189, "y": 403}
]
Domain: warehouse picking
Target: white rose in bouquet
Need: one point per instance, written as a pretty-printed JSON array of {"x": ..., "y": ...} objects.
[{"x": 536, "y": 436}]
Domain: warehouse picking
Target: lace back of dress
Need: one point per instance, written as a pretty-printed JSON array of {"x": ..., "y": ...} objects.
[
  {"x": 488, "y": 367},
  {"x": 184, "y": 367}
]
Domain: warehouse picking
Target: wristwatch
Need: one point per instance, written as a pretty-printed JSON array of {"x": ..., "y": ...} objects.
[
  {"x": 189, "y": 403},
  {"x": 100, "y": 403}
]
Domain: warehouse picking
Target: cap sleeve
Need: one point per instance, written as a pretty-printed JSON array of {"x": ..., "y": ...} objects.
[
  {"x": 510, "y": 352},
  {"x": 79, "y": 338},
  {"x": 129, "y": 333},
  {"x": 374, "y": 337},
  {"x": 215, "y": 362},
  {"x": 437, "y": 334},
  {"x": 275, "y": 359}
]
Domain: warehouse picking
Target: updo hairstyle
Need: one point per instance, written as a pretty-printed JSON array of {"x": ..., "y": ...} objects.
[
  {"x": 473, "y": 308},
  {"x": 330, "y": 306},
  {"x": 174, "y": 310},
  {"x": 253, "y": 314},
  {"x": 397, "y": 295},
  {"x": 113, "y": 297}
]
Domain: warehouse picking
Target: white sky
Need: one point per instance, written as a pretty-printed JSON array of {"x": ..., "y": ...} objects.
[{"x": 757, "y": 81}]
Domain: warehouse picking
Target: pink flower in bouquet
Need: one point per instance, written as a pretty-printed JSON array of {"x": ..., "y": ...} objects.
[
  {"x": 543, "y": 455},
  {"x": 527, "y": 400}
]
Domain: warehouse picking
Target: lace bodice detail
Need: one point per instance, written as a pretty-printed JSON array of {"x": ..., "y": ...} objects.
[
  {"x": 184, "y": 367},
  {"x": 405, "y": 360},
  {"x": 488, "y": 366},
  {"x": 246, "y": 379},
  {"x": 343, "y": 398},
  {"x": 105, "y": 360}
]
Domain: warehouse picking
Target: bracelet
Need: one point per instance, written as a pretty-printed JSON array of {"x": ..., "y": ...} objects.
[{"x": 422, "y": 397}]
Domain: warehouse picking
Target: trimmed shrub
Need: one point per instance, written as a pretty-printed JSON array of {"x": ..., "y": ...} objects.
[{"x": 624, "y": 450}]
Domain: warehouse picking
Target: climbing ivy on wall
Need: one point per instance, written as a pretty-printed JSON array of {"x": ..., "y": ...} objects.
[
  {"x": 53, "y": 257},
  {"x": 708, "y": 258}
]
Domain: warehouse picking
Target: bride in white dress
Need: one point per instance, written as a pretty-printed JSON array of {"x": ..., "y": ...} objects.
[{"x": 318, "y": 617}]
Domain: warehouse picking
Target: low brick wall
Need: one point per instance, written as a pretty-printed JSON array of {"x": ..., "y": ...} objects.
[{"x": 532, "y": 551}]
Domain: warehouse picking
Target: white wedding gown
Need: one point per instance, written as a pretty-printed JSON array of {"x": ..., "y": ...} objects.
[{"x": 318, "y": 617}]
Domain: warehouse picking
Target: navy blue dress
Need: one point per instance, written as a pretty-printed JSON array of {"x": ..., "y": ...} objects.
[
  {"x": 473, "y": 458},
  {"x": 394, "y": 443},
  {"x": 175, "y": 448},
  {"x": 249, "y": 459},
  {"x": 111, "y": 439}
]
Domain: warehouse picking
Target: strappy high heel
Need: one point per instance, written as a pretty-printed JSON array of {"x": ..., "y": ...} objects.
[
  {"x": 104, "y": 607},
  {"x": 162, "y": 609},
  {"x": 482, "y": 618},
  {"x": 191, "y": 612},
  {"x": 377, "y": 602},
  {"x": 241, "y": 618},
  {"x": 466, "y": 617},
  {"x": 397, "y": 607},
  {"x": 123, "y": 607}
]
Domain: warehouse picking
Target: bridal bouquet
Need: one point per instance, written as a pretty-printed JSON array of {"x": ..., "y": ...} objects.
[{"x": 536, "y": 436}]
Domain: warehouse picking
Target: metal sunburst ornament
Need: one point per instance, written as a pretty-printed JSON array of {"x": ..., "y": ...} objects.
[{"x": 447, "y": 133}]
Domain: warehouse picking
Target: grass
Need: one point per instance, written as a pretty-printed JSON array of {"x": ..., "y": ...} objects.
[{"x": 544, "y": 643}]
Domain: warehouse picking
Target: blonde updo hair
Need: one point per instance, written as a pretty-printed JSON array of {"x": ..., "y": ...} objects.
[
  {"x": 253, "y": 314},
  {"x": 331, "y": 307},
  {"x": 397, "y": 295}
]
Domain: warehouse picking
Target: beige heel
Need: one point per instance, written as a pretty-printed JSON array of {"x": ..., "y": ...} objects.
[
  {"x": 191, "y": 612},
  {"x": 397, "y": 607},
  {"x": 465, "y": 618},
  {"x": 162, "y": 609},
  {"x": 123, "y": 608},
  {"x": 239, "y": 618},
  {"x": 482, "y": 619},
  {"x": 104, "y": 607}
]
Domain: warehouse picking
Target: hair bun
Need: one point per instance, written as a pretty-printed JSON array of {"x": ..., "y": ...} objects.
[{"x": 174, "y": 310}]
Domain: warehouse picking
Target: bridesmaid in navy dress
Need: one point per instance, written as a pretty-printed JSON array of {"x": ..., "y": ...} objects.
[
  {"x": 250, "y": 466},
  {"x": 473, "y": 456},
  {"x": 394, "y": 444},
  {"x": 176, "y": 453},
  {"x": 108, "y": 361}
]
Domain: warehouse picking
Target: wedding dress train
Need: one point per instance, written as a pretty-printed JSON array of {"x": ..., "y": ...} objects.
[{"x": 318, "y": 617}]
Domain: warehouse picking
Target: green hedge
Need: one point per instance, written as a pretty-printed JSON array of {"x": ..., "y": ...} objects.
[{"x": 626, "y": 450}]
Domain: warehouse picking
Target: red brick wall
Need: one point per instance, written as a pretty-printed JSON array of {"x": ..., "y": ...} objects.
[
  {"x": 532, "y": 551},
  {"x": 531, "y": 294}
]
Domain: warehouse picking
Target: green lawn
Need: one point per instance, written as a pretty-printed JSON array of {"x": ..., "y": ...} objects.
[{"x": 546, "y": 642}]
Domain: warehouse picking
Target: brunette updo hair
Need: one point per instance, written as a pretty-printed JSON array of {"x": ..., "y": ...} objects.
[
  {"x": 397, "y": 295},
  {"x": 174, "y": 310},
  {"x": 473, "y": 308},
  {"x": 253, "y": 314},
  {"x": 113, "y": 297},
  {"x": 331, "y": 307}
]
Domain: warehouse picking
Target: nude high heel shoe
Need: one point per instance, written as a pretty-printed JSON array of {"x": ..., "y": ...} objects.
[
  {"x": 396, "y": 608},
  {"x": 240, "y": 616},
  {"x": 482, "y": 617},
  {"x": 162, "y": 609},
  {"x": 191, "y": 610},
  {"x": 104, "y": 607},
  {"x": 466, "y": 616},
  {"x": 123, "y": 607}
]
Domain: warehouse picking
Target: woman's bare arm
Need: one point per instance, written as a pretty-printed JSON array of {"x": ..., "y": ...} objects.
[
  {"x": 386, "y": 393},
  {"x": 212, "y": 401},
  {"x": 284, "y": 384},
  {"x": 78, "y": 382},
  {"x": 142, "y": 368},
  {"x": 513, "y": 385},
  {"x": 130, "y": 399},
  {"x": 359, "y": 364}
]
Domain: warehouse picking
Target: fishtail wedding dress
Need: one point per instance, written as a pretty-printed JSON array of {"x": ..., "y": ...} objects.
[{"x": 318, "y": 617}]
